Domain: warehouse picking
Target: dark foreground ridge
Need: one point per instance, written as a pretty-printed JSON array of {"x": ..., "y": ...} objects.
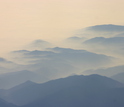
[{"x": 73, "y": 91}]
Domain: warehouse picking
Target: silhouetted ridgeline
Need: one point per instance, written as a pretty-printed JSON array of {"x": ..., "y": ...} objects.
[{"x": 73, "y": 91}]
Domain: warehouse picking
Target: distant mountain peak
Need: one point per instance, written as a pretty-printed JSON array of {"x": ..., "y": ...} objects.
[
  {"x": 38, "y": 45},
  {"x": 106, "y": 27},
  {"x": 39, "y": 41}
]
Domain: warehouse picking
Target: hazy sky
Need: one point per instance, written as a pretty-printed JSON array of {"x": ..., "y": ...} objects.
[{"x": 22, "y": 21}]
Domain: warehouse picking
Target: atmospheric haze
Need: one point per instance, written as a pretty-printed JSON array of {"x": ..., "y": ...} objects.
[{"x": 57, "y": 53}]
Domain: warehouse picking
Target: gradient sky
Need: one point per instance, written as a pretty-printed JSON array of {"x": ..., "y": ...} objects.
[{"x": 23, "y": 21}]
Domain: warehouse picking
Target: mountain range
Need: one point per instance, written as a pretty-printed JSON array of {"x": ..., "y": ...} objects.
[{"x": 73, "y": 91}]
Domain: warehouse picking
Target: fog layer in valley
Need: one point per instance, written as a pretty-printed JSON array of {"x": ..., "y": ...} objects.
[{"x": 83, "y": 70}]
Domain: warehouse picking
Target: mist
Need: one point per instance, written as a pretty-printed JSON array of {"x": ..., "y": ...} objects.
[{"x": 61, "y": 53}]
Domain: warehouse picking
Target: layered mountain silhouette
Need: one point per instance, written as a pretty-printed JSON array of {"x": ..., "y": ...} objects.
[
  {"x": 38, "y": 75},
  {"x": 105, "y": 39},
  {"x": 73, "y": 91},
  {"x": 67, "y": 57}
]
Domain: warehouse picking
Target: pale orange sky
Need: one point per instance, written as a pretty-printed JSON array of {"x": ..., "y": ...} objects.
[{"x": 22, "y": 21}]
